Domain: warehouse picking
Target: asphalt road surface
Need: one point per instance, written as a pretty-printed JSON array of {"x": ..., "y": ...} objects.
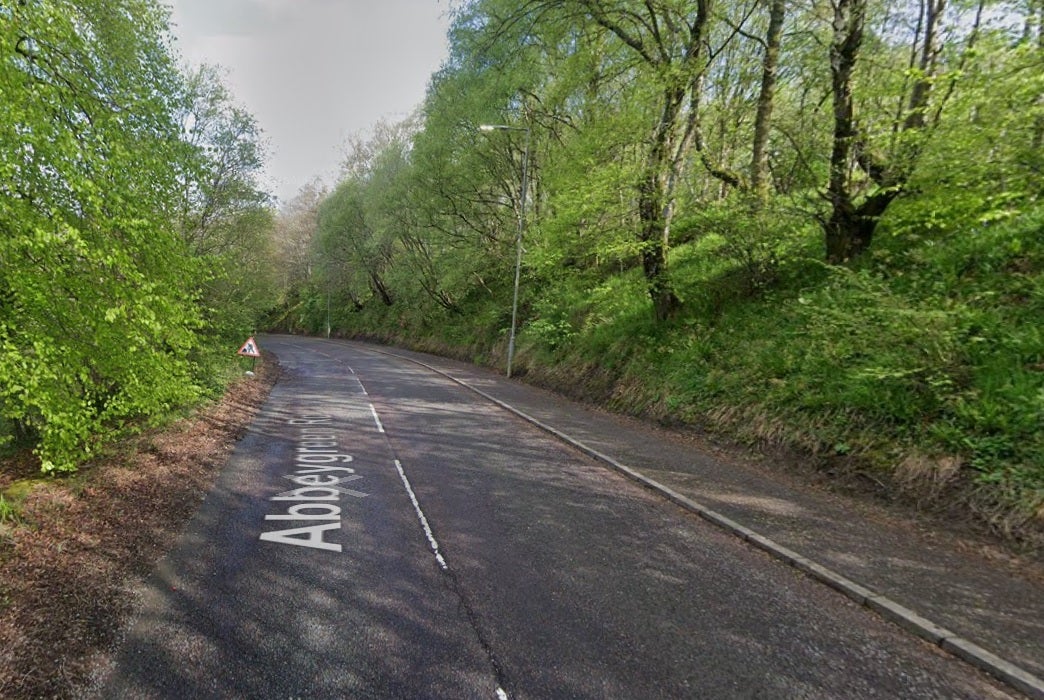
[{"x": 383, "y": 532}]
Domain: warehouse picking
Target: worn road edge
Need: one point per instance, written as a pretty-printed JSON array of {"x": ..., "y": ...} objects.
[{"x": 1014, "y": 676}]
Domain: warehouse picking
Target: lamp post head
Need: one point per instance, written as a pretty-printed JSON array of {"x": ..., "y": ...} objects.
[{"x": 501, "y": 127}]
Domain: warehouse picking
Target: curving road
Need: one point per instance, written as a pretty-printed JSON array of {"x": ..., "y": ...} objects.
[{"x": 383, "y": 532}]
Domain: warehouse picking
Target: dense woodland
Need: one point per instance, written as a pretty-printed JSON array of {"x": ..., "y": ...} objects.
[
  {"x": 814, "y": 224},
  {"x": 133, "y": 235}
]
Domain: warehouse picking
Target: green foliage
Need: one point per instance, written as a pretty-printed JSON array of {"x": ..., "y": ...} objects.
[
  {"x": 105, "y": 303},
  {"x": 927, "y": 340},
  {"x": 991, "y": 284},
  {"x": 8, "y": 513},
  {"x": 12, "y": 499},
  {"x": 224, "y": 219},
  {"x": 752, "y": 241}
]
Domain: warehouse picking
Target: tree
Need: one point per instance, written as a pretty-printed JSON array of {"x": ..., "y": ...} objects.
[
  {"x": 847, "y": 230},
  {"x": 98, "y": 314},
  {"x": 766, "y": 96},
  {"x": 464, "y": 186},
  {"x": 225, "y": 218},
  {"x": 227, "y": 154},
  {"x": 295, "y": 228},
  {"x": 857, "y": 164},
  {"x": 670, "y": 41}
]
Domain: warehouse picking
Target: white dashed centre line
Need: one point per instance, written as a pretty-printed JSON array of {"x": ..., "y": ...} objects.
[
  {"x": 376, "y": 418},
  {"x": 501, "y": 694},
  {"x": 423, "y": 520},
  {"x": 373, "y": 409}
]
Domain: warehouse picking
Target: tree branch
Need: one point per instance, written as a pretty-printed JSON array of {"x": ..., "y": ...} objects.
[{"x": 599, "y": 15}]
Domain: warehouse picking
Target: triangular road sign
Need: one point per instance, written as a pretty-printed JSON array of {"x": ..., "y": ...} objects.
[{"x": 249, "y": 348}]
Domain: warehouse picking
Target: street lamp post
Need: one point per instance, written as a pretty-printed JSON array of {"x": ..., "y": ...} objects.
[{"x": 518, "y": 235}]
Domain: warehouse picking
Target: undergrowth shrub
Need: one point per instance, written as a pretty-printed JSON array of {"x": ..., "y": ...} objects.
[
  {"x": 751, "y": 239},
  {"x": 869, "y": 350}
]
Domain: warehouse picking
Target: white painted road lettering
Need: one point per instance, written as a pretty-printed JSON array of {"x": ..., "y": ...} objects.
[
  {"x": 311, "y": 536},
  {"x": 330, "y": 481},
  {"x": 325, "y": 512},
  {"x": 319, "y": 480}
]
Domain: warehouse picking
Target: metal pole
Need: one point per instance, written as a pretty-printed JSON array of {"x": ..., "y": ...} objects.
[
  {"x": 519, "y": 234},
  {"x": 518, "y": 252}
]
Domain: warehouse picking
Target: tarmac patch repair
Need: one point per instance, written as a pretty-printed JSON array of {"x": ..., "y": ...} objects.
[{"x": 319, "y": 481}]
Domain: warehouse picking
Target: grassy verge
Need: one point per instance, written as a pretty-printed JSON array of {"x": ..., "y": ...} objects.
[
  {"x": 921, "y": 368},
  {"x": 924, "y": 364}
]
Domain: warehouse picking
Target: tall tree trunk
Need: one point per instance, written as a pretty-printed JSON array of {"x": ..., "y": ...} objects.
[
  {"x": 654, "y": 244},
  {"x": 922, "y": 89},
  {"x": 654, "y": 209},
  {"x": 845, "y": 237},
  {"x": 671, "y": 43},
  {"x": 850, "y": 227},
  {"x": 381, "y": 289},
  {"x": 763, "y": 119}
]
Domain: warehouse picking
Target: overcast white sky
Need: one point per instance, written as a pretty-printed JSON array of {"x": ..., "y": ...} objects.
[{"x": 314, "y": 72}]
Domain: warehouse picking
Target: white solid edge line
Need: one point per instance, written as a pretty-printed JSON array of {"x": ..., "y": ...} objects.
[
  {"x": 420, "y": 515},
  {"x": 1012, "y": 674}
]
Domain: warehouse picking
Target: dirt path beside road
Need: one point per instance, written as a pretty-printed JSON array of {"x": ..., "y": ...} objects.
[{"x": 66, "y": 565}]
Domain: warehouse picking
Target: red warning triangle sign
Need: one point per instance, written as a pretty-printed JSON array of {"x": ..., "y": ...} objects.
[{"x": 249, "y": 348}]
